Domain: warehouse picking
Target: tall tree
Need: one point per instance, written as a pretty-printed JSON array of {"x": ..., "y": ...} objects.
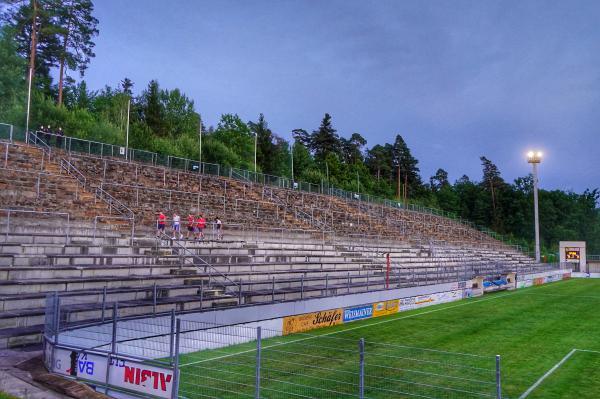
[
  {"x": 491, "y": 179},
  {"x": 325, "y": 140},
  {"x": 265, "y": 147},
  {"x": 77, "y": 29},
  {"x": 352, "y": 148},
  {"x": 37, "y": 36},
  {"x": 405, "y": 169},
  {"x": 439, "y": 180}
]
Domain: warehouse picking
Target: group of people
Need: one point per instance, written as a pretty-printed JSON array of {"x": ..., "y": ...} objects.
[
  {"x": 47, "y": 133},
  {"x": 195, "y": 226}
]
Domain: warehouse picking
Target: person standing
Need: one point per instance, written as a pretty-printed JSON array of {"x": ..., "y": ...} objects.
[
  {"x": 201, "y": 227},
  {"x": 177, "y": 226},
  {"x": 59, "y": 137},
  {"x": 190, "y": 227},
  {"x": 160, "y": 228},
  {"x": 219, "y": 226}
]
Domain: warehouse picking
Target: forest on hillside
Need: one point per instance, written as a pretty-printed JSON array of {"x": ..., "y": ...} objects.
[{"x": 55, "y": 40}]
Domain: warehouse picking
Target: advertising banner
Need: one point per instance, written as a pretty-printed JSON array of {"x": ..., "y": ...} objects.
[
  {"x": 358, "y": 313},
  {"x": 310, "y": 321},
  {"x": 407, "y": 303},
  {"x": 385, "y": 308},
  {"x": 424, "y": 300},
  {"x": 140, "y": 377}
]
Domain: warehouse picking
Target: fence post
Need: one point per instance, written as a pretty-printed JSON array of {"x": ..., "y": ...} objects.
[
  {"x": 113, "y": 345},
  {"x": 103, "y": 303},
  {"x": 154, "y": 300},
  {"x": 175, "y": 392},
  {"x": 498, "y": 381},
  {"x": 114, "y": 327},
  {"x": 361, "y": 368},
  {"x": 258, "y": 353},
  {"x": 172, "y": 337},
  {"x": 273, "y": 290}
]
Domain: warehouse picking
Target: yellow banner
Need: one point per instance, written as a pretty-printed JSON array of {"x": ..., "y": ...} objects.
[
  {"x": 310, "y": 321},
  {"x": 385, "y": 308}
]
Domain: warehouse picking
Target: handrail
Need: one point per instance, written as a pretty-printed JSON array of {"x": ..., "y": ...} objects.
[
  {"x": 71, "y": 169},
  {"x": 10, "y": 132},
  {"x": 61, "y": 214},
  {"x": 203, "y": 263}
]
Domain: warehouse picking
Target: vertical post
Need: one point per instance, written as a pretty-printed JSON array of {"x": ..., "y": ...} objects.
[
  {"x": 361, "y": 368},
  {"x": 273, "y": 290},
  {"x": 113, "y": 346},
  {"x": 387, "y": 271},
  {"x": 258, "y": 353},
  {"x": 348, "y": 284},
  {"x": 127, "y": 132},
  {"x": 536, "y": 214},
  {"x": 103, "y": 303},
  {"x": 114, "y": 327},
  {"x": 240, "y": 292},
  {"x": 302, "y": 287},
  {"x": 154, "y": 292},
  {"x": 327, "y": 284},
  {"x": 175, "y": 392},
  {"x": 172, "y": 338},
  {"x": 498, "y": 381}
]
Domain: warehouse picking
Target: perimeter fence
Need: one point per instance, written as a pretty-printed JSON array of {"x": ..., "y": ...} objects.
[{"x": 257, "y": 360}]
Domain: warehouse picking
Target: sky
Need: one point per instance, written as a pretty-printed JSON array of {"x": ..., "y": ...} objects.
[{"x": 457, "y": 79}]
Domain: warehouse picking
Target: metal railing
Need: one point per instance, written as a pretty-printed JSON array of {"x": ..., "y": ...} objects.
[
  {"x": 59, "y": 215},
  {"x": 197, "y": 261}
]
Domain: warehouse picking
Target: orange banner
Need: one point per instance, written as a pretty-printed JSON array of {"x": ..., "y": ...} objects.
[
  {"x": 385, "y": 308},
  {"x": 310, "y": 321}
]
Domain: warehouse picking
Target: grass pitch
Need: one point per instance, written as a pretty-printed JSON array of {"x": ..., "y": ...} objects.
[{"x": 532, "y": 329}]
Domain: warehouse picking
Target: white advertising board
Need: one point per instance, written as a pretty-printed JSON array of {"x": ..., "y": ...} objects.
[{"x": 143, "y": 378}]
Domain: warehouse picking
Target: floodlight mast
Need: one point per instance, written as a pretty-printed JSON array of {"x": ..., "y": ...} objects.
[{"x": 534, "y": 158}]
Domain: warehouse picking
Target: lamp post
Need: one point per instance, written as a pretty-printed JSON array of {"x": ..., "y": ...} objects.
[
  {"x": 534, "y": 158},
  {"x": 127, "y": 130}
]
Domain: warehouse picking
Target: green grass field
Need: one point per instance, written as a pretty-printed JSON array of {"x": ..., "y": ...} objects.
[{"x": 532, "y": 329}]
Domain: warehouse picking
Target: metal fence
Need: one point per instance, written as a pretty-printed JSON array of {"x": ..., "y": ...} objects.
[
  {"x": 255, "y": 362},
  {"x": 205, "y": 360}
]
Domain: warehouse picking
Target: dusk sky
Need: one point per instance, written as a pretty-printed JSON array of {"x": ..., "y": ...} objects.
[{"x": 457, "y": 79}]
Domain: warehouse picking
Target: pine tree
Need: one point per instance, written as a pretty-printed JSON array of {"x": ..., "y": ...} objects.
[
  {"x": 265, "y": 148},
  {"x": 325, "y": 140},
  {"x": 405, "y": 169},
  {"x": 439, "y": 180},
  {"x": 77, "y": 29}
]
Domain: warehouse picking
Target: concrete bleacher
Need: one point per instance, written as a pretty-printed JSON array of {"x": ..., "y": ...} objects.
[{"x": 279, "y": 244}]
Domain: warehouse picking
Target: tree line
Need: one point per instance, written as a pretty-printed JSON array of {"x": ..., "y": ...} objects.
[{"x": 55, "y": 40}]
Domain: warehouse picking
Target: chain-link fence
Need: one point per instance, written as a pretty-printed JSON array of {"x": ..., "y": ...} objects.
[{"x": 257, "y": 362}]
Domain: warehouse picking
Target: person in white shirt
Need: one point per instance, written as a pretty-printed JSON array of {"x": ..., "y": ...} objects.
[{"x": 177, "y": 226}]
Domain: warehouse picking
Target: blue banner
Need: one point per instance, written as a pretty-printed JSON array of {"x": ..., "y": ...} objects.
[{"x": 361, "y": 312}]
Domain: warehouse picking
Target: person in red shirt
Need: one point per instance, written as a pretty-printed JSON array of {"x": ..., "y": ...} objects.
[
  {"x": 201, "y": 226},
  {"x": 162, "y": 219},
  {"x": 190, "y": 227}
]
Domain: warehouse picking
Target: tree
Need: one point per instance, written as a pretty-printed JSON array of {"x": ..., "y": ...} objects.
[
  {"x": 265, "y": 147},
  {"x": 439, "y": 180},
  {"x": 352, "y": 148},
  {"x": 12, "y": 73},
  {"x": 126, "y": 85},
  {"x": 152, "y": 110},
  {"x": 77, "y": 29},
  {"x": 379, "y": 161},
  {"x": 405, "y": 169},
  {"x": 37, "y": 31},
  {"x": 491, "y": 179},
  {"x": 325, "y": 140}
]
